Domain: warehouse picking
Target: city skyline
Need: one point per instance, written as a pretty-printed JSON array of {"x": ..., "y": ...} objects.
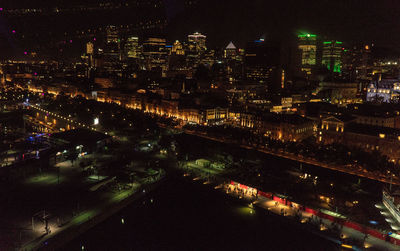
[
  {"x": 199, "y": 124},
  {"x": 267, "y": 20}
]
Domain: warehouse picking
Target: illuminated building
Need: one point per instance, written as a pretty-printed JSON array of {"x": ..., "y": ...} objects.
[
  {"x": 177, "y": 48},
  {"x": 233, "y": 63},
  {"x": 308, "y": 47},
  {"x": 195, "y": 48},
  {"x": 332, "y": 56},
  {"x": 230, "y": 51},
  {"x": 197, "y": 43},
  {"x": 215, "y": 115},
  {"x": 112, "y": 34},
  {"x": 112, "y": 48},
  {"x": 89, "y": 48},
  {"x": 177, "y": 64},
  {"x": 346, "y": 131},
  {"x": 338, "y": 92},
  {"x": 384, "y": 90},
  {"x": 90, "y": 52},
  {"x": 208, "y": 58},
  {"x": 285, "y": 127},
  {"x": 132, "y": 47},
  {"x": 155, "y": 54}
]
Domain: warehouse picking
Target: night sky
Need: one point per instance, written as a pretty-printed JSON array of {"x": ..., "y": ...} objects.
[{"x": 241, "y": 21}]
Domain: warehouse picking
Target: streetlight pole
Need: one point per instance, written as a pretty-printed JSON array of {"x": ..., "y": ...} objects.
[{"x": 391, "y": 181}]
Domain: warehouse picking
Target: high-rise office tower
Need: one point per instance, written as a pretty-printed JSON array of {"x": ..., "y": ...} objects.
[
  {"x": 155, "y": 54},
  {"x": 90, "y": 53},
  {"x": 89, "y": 48},
  {"x": 332, "y": 55},
  {"x": 264, "y": 63},
  {"x": 230, "y": 51},
  {"x": 177, "y": 48},
  {"x": 112, "y": 35},
  {"x": 132, "y": 48},
  {"x": 112, "y": 41},
  {"x": 357, "y": 61},
  {"x": 112, "y": 52},
  {"x": 196, "y": 48},
  {"x": 233, "y": 64},
  {"x": 197, "y": 43},
  {"x": 308, "y": 48}
]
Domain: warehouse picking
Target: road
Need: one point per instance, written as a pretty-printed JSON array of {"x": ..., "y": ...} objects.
[{"x": 301, "y": 159}]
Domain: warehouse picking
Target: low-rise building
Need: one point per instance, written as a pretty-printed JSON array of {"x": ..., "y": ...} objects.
[
  {"x": 384, "y": 90},
  {"x": 285, "y": 127},
  {"x": 339, "y": 93},
  {"x": 366, "y": 137}
]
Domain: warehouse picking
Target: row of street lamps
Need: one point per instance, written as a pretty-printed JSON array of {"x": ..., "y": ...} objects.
[{"x": 68, "y": 119}]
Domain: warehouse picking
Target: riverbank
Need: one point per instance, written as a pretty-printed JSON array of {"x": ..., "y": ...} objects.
[
  {"x": 332, "y": 226},
  {"x": 338, "y": 228},
  {"x": 187, "y": 215}
]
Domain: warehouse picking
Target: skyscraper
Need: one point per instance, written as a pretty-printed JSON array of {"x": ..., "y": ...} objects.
[
  {"x": 197, "y": 43},
  {"x": 332, "y": 55},
  {"x": 263, "y": 63},
  {"x": 177, "y": 48},
  {"x": 357, "y": 62},
  {"x": 112, "y": 34},
  {"x": 132, "y": 48},
  {"x": 90, "y": 52},
  {"x": 89, "y": 48},
  {"x": 308, "y": 47},
  {"x": 155, "y": 54},
  {"x": 230, "y": 51},
  {"x": 112, "y": 52}
]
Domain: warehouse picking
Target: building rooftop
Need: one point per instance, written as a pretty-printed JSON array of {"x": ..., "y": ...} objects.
[
  {"x": 231, "y": 46},
  {"x": 372, "y": 130},
  {"x": 292, "y": 119},
  {"x": 372, "y": 110},
  {"x": 341, "y": 118},
  {"x": 384, "y": 83}
]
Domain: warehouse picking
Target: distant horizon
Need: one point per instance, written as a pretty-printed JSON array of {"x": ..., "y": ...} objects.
[{"x": 354, "y": 21}]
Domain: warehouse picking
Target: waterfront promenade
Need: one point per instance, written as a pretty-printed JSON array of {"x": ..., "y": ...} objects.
[
  {"x": 295, "y": 212},
  {"x": 94, "y": 214}
]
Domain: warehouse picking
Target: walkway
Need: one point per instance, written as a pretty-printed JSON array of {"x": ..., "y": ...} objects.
[
  {"x": 107, "y": 204},
  {"x": 287, "y": 211}
]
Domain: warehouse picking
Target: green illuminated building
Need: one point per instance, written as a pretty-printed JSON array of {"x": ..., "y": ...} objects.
[
  {"x": 332, "y": 55},
  {"x": 308, "y": 47}
]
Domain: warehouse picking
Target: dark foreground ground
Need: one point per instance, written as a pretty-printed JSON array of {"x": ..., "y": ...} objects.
[{"x": 182, "y": 215}]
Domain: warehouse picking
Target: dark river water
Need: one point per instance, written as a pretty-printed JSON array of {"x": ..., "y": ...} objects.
[{"x": 186, "y": 215}]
